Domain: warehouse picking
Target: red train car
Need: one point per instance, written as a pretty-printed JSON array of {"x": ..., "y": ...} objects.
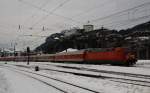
[
  {"x": 77, "y": 56},
  {"x": 114, "y": 56},
  {"x": 42, "y": 58}
]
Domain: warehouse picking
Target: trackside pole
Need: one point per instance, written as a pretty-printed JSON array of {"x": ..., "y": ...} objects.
[{"x": 28, "y": 54}]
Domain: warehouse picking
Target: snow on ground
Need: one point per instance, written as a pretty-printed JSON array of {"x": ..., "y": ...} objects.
[
  {"x": 143, "y": 61},
  {"x": 96, "y": 84},
  {"x": 143, "y": 64},
  {"x": 17, "y": 83},
  {"x": 103, "y": 85},
  {"x": 53, "y": 67},
  {"x": 21, "y": 84},
  {"x": 142, "y": 67},
  {"x": 4, "y": 84}
]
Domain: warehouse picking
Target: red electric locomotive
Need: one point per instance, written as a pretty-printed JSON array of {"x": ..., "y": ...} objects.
[{"x": 114, "y": 56}]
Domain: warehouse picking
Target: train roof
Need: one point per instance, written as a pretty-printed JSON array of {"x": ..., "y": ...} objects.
[{"x": 74, "y": 52}]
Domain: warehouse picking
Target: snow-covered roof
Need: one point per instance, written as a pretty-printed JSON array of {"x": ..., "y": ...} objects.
[{"x": 70, "y": 50}]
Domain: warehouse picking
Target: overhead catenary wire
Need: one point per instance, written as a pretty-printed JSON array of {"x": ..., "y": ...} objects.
[
  {"x": 90, "y": 21},
  {"x": 22, "y": 27},
  {"x": 45, "y": 29},
  {"x": 34, "y": 14},
  {"x": 49, "y": 12},
  {"x": 91, "y": 9},
  {"x": 52, "y": 11},
  {"x": 35, "y": 35},
  {"x": 34, "y": 41},
  {"x": 127, "y": 22},
  {"x": 130, "y": 9},
  {"x": 129, "y": 19},
  {"x": 60, "y": 5}
]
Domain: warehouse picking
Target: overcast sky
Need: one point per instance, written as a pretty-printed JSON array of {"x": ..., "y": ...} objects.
[{"x": 27, "y": 17}]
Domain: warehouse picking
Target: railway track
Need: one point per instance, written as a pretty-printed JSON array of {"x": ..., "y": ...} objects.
[
  {"x": 140, "y": 66},
  {"x": 24, "y": 72},
  {"x": 115, "y": 79},
  {"x": 48, "y": 84},
  {"x": 138, "y": 82},
  {"x": 104, "y": 71}
]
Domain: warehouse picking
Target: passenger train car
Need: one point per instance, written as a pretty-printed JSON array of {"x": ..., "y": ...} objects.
[{"x": 113, "y": 56}]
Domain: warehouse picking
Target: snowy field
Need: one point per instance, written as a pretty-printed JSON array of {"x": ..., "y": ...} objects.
[{"x": 17, "y": 77}]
